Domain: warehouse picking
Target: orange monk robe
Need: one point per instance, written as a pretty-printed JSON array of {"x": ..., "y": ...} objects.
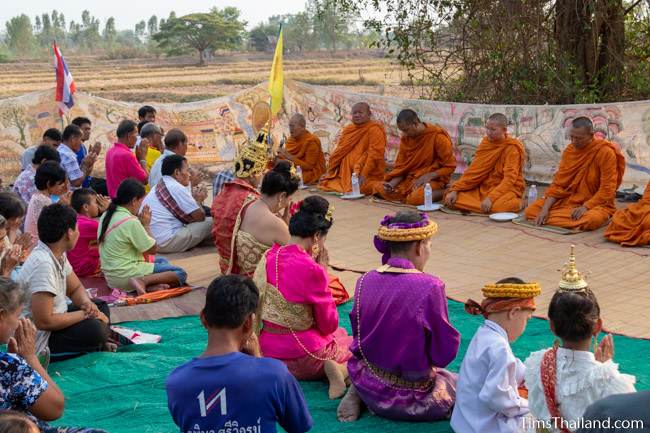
[
  {"x": 587, "y": 177},
  {"x": 308, "y": 154},
  {"x": 497, "y": 172},
  {"x": 631, "y": 226},
  {"x": 429, "y": 152},
  {"x": 360, "y": 150}
]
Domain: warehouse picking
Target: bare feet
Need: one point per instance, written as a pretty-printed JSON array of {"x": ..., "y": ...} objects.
[
  {"x": 138, "y": 285},
  {"x": 110, "y": 347},
  {"x": 350, "y": 407},
  {"x": 336, "y": 378},
  {"x": 157, "y": 287}
]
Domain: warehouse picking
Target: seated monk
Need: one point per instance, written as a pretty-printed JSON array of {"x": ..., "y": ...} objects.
[
  {"x": 425, "y": 156},
  {"x": 630, "y": 227},
  {"x": 584, "y": 188},
  {"x": 229, "y": 206},
  {"x": 360, "y": 149},
  {"x": 494, "y": 182},
  {"x": 402, "y": 336},
  {"x": 304, "y": 149}
]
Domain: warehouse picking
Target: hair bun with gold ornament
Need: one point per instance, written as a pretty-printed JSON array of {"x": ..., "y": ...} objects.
[
  {"x": 406, "y": 232},
  {"x": 572, "y": 279}
]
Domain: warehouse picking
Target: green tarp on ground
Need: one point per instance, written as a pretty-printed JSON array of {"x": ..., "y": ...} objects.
[{"x": 125, "y": 392}]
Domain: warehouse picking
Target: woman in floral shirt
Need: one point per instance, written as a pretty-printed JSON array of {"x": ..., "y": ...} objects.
[{"x": 25, "y": 385}]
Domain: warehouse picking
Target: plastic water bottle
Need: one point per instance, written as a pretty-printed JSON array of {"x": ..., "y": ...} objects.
[
  {"x": 532, "y": 194},
  {"x": 355, "y": 185},
  {"x": 299, "y": 173},
  {"x": 428, "y": 200}
]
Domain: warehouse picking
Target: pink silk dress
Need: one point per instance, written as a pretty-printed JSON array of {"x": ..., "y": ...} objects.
[{"x": 304, "y": 282}]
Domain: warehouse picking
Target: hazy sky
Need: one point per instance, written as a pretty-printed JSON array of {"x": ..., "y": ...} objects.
[{"x": 128, "y": 12}]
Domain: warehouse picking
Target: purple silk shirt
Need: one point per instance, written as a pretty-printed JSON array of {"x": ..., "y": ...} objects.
[
  {"x": 405, "y": 327},
  {"x": 405, "y": 331}
]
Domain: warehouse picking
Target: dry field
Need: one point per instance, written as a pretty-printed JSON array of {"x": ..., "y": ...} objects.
[{"x": 181, "y": 80}]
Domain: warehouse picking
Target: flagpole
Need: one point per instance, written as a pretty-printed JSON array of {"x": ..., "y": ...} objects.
[{"x": 277, "y": 57}]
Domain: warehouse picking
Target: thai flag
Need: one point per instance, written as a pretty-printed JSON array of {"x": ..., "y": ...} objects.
[{"x": 65, "y": 86}]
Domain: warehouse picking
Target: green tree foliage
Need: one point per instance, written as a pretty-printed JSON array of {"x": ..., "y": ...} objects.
[
  {"x": 152, "y": 25},
  {"x": 20, "y": 37},
  {"x": 514, "y": 51},
  {"x": 332, "y": 21},
  {"x": 217, "y": 29},
  {"x": 110, "y": 33}
]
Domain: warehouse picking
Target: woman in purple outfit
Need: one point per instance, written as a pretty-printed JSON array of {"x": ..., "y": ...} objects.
[{"x": 402, "y": 336}]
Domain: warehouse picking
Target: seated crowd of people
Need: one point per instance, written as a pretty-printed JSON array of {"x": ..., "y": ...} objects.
[{"x": 271, "y": 316}]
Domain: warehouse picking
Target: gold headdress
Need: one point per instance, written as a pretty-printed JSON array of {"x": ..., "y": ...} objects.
[
  {"x": 512, "y": 290},
  {"x": 406, "y": 232},
  {"x": 572, "y": 279},
  {"x": 252, "y": 159}
]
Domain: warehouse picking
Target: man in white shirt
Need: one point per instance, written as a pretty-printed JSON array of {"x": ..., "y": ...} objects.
[
  {"x": 178, "y": 221},
  {"x": 175, "y": 144}
]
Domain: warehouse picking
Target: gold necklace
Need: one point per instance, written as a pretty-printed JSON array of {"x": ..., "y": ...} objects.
[
  {"x": 371, "y": 367},
  {"x": 302, "y": 346}
]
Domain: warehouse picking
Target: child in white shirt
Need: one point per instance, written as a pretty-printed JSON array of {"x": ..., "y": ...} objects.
[
  {"x": 563, "y": 381},
  {"x": 487, "y": 397}
]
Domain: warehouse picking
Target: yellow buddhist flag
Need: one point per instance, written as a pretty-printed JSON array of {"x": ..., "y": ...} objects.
[{"x": 276, "y": 79}]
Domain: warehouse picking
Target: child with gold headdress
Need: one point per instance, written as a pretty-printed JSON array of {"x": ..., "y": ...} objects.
[
  {"x": 403, "y": 340},
  {"x": 487, "y": 397},
  {"x": 565, "y": 379}
]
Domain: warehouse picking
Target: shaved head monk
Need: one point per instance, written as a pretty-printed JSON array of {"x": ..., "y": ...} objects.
[
  {"x": 494, "y": 182},
  {"x": 583, "y": 191},
  {"x": 630, "y": 227},
  {"x": 360, "y": 150},
  {"x": 425, "y": 155},
  {"x": 304, "y": 149}
]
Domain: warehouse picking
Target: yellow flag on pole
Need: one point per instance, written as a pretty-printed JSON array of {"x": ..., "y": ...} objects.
[{"x": 276, "y": 79}]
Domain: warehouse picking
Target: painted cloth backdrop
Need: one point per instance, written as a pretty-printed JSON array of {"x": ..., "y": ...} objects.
[{"x": 217, "y": 126}]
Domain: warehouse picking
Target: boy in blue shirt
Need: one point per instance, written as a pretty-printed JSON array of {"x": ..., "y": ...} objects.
[{"x": 226, "y": 388}]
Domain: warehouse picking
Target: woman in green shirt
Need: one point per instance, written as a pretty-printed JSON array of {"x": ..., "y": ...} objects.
[{"x": 125, "y": 245}]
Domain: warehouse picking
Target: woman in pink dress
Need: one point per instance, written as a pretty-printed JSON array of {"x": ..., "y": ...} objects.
[{"x": 298, "y": 312}]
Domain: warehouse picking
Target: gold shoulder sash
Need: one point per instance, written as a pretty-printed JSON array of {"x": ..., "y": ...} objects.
[
  {"x": 276, "y": 309},
  {"x": 387, "y": 269}
]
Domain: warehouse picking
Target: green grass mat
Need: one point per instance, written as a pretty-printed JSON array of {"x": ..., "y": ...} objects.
[{"x": 125, "y": 392}]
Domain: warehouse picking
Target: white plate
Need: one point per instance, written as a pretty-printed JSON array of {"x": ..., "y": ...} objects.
[
  {"x": 350, "y": 196},
  {"x": 304, "y": 187},
  {"x": 504, "y": 216},
  {"x": 433, "y": 207}
]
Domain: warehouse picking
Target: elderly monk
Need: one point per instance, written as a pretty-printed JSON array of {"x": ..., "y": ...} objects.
[
  {"x": 494, "y": 182},
  {"x": 583, "y": 191},
  {"x": 425, "y": 155},
  {"x": 360, "y": 150},
  {"x": 630, "y": 227},
  {"x": 304, "y": 149}
]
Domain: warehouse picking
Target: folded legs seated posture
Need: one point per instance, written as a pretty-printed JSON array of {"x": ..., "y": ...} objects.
[
  {"x": 67, "y": 330},
  {"x": 494, "y": 182},
  {"x": 425, "y": 155},
  {"x": 402, "y": 336},
  {"x": 124, "y": 241},
  {"x": 582, "y": 195}
]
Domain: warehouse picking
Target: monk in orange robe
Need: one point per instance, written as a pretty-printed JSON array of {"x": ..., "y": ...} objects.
[
  {"x": 360, "y": 150},
  {"x": 304, "y": 149},
  {"x": 630, "y": 227},
  {"x": 494, "y": 182},
  {"x": 425, "y": 155},
  {"x": 583, "y": 191}
]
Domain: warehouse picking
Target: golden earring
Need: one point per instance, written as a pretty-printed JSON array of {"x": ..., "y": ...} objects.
[{"x": 315, "y": 251}]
